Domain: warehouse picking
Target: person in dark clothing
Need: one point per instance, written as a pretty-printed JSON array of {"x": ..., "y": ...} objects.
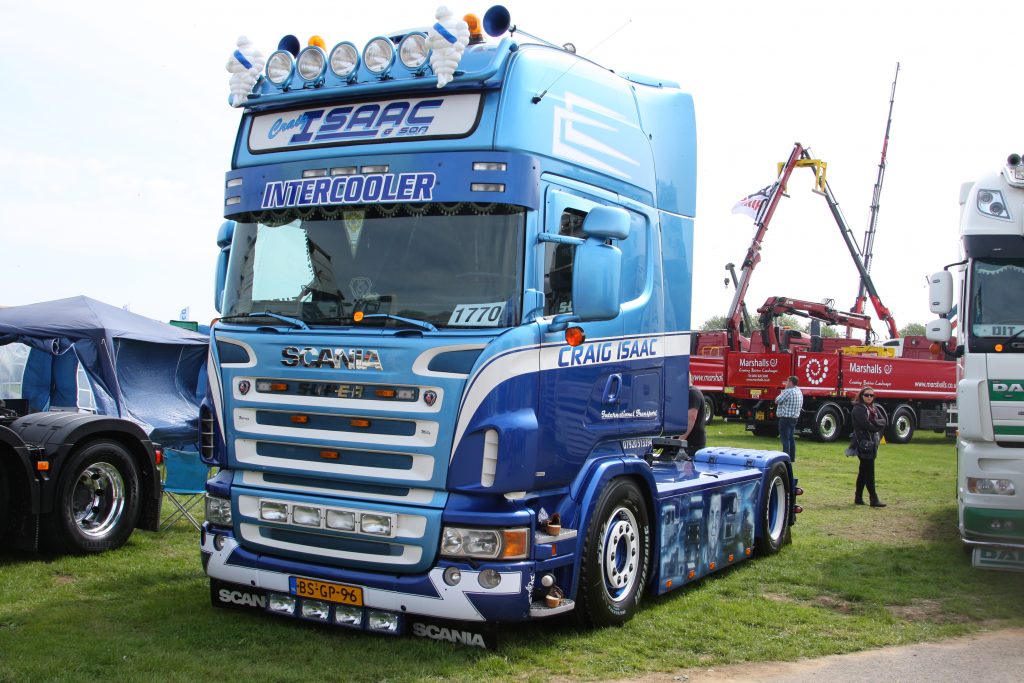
[
  {"x": 868, "y": 425},
  {"x": 695, "y": 435}
]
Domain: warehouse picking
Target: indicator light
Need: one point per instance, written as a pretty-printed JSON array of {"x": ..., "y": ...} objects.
[
  {"x": 355, "y": 422},
  {"x": 299, "y": 419},
  {"x": 574, "y": 336},
  {"x": 385, "y": 393},
  {"x": 329, "y": 455}
]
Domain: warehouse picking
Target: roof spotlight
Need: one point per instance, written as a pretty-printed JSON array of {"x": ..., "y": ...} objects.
[
  {"x": 344, "y": 60},
  {"x": 414, "y": 51},
  {"x": 379, "y": 56},
  {"x": 280, "y": 67},
  {"x": 311, "y": 64}
]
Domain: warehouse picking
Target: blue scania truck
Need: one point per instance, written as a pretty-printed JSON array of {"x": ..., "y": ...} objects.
[{"x": 454, "y": 335}]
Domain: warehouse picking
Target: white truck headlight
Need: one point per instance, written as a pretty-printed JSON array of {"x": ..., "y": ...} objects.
[
  {"x": 218, "y": 510},
  {"x": 998, "y": 487},
  {"x": 485, "y": 544}
]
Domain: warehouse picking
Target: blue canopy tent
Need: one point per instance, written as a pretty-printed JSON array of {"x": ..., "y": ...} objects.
[{"x": 143, "y": 370}]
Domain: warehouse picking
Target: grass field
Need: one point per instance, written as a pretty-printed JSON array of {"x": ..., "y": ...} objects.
[{"x": 853, "y": 578}]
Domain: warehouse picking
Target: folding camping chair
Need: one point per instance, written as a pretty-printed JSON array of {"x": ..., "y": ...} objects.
[{"x": 184, "y": 485}]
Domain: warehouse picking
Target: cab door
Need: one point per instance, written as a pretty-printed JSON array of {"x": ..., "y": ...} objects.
[{"x": 609, "y": 389}]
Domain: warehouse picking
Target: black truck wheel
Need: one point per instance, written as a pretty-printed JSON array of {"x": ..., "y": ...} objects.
[
  {"x": 901, "y": 427},
  {"x": 778, "y": 500},
  {"x": 5, "y": 502},
  {"x": 828, "y": 424},
  {"x": 96, "y": 503},
  {"x": 616, "y": 557}
]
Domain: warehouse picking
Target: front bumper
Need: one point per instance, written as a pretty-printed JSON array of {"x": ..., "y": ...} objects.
[{"x": 426, "y": 594}]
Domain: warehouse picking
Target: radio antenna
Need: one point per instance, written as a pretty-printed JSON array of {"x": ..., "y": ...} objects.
[{"x": 538, "y": 98}]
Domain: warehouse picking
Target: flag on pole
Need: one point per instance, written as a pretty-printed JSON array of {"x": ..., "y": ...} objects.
[
  {"x": 952, "y": 317},
  {"x": 184, "y": 313},
  {"x": 754, "y": 205}
]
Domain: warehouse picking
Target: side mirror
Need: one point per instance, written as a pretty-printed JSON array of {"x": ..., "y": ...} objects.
[
  {"x": 939, "y": 331},
  {"x": 595, "y": 280},
  {"x": 940, "y": 293},
  {"x": 607, "y": 223},
  {"x": 224, "y": 237}
]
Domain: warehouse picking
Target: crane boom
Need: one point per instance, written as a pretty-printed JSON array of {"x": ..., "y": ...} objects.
[{"x": 869, "y": 235}]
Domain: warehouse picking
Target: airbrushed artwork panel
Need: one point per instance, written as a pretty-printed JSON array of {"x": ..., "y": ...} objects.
[{"x": 705, "y": 530}]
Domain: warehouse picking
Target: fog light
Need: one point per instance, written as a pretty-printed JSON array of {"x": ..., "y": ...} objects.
[
  {"x": 379, "y": 525},
  {"x": 314, "y": 609},
  {"x": 279, "y": 602},
  {"x": 348, "y": 616},
  {"x": 273, "y": 512},
  {"x": 385, "y": 622},
  {"x": 342, "y": 520},
  {"x": 489, "y": 578},
  {"x": 218, "y": 542},
  {"x": 452, "y": 576},
  {"x": 306, "y": 516}
]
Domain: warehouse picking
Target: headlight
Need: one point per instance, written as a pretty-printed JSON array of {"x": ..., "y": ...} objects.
[
  {"x": 379, "y": 55},
  {"x": 413, "y": 51},
  {"x": 306, "y": 515},
  {"x": 218, "y": 510},
  {"x": 311, "y": 64},
  {"x": 279, "y": 68},
  {"x": 998, "y": 487},
  {"x": 991, "y": 203},
  {"x": 273, "y": 512},
  {"x": 344, "y": 59},
  {"x": 485, "y": 544},
  {"x": 375, "y": 524}
]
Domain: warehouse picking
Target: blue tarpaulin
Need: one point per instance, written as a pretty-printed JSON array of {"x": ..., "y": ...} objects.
[{"x": 140, "y": 369}]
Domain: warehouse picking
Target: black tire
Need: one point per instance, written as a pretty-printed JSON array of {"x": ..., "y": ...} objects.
[
  {"x": 775, "y": 511},
  {"x": 616, "y": 557},
  {"x": 6, "y": 512},
  {"x": 828, "y": 424},
  {"x": 901, "y": 427},
  {"x": 709, "y": 409},
  {"x": 97, "y": 500}
]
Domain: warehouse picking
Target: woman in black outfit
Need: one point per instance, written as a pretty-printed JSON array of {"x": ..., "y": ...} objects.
[{"x": 868, "y": 425}]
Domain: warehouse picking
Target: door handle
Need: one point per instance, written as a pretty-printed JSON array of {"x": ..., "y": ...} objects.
[{"x": 612, "y": 388}]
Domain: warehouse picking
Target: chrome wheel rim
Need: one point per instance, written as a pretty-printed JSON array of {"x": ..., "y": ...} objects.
[
  {"x": 828, "y": 425},
  {"x": 621, "y": 554},
  {"x": 98, "y": 499}
]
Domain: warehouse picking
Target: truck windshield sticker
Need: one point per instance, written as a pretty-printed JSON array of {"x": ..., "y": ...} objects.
[
  {"x": 382, "y": 121},
  {"x": 353, "y": 189},
  {"x": 477, "y": 315},
  {"x": 353, "y": 228}
]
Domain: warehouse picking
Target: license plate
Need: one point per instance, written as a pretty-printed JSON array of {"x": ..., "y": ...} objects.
[
  {"x": 760, "y": 415},
  {"x": 998, "y": 558},
  {"x": 331, "y": 592}
]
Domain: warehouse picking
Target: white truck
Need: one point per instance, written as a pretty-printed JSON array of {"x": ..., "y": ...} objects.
[{"x": 990, "y": 377}]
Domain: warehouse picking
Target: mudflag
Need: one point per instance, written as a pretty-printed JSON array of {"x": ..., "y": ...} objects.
[
  {"x": 754, "y": 205},
  {"x": 184, "y": 313}
]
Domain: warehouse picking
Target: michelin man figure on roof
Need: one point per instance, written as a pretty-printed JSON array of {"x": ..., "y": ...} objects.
[{"x": 448, "y": 39}]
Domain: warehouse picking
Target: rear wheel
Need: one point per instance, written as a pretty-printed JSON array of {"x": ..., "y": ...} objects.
[
  {"x": 97, "y": 501},
  {"x": 775, "y": 511},
  {"x": 616, "y": 557},
  {"x": 828, "y": 424},
  {"x": 901, "y": 428}
]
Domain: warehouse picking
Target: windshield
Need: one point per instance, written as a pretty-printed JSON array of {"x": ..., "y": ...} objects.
[
  {"x": 997, "y": 306},
  {"x": 450, "y": 265}
]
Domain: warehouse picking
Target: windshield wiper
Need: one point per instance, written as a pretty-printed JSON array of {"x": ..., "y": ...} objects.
[
  {"x": 422, "y": 324},
  {"x": 1013, "y": 336},
  {"x": 294, "y": 322}
]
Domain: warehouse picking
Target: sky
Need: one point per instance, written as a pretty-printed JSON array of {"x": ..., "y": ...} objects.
[{"x": 115, "y": 132}]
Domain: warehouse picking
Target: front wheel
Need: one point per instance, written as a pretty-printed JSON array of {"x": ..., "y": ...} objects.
[
  {"x": 775, "y": 509},
  {"x": 828, "y": 424},
  {"x": 709, "y": 410},
  {"x": 616, "y": 557},
  {"x": 97, "y": 501}
]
